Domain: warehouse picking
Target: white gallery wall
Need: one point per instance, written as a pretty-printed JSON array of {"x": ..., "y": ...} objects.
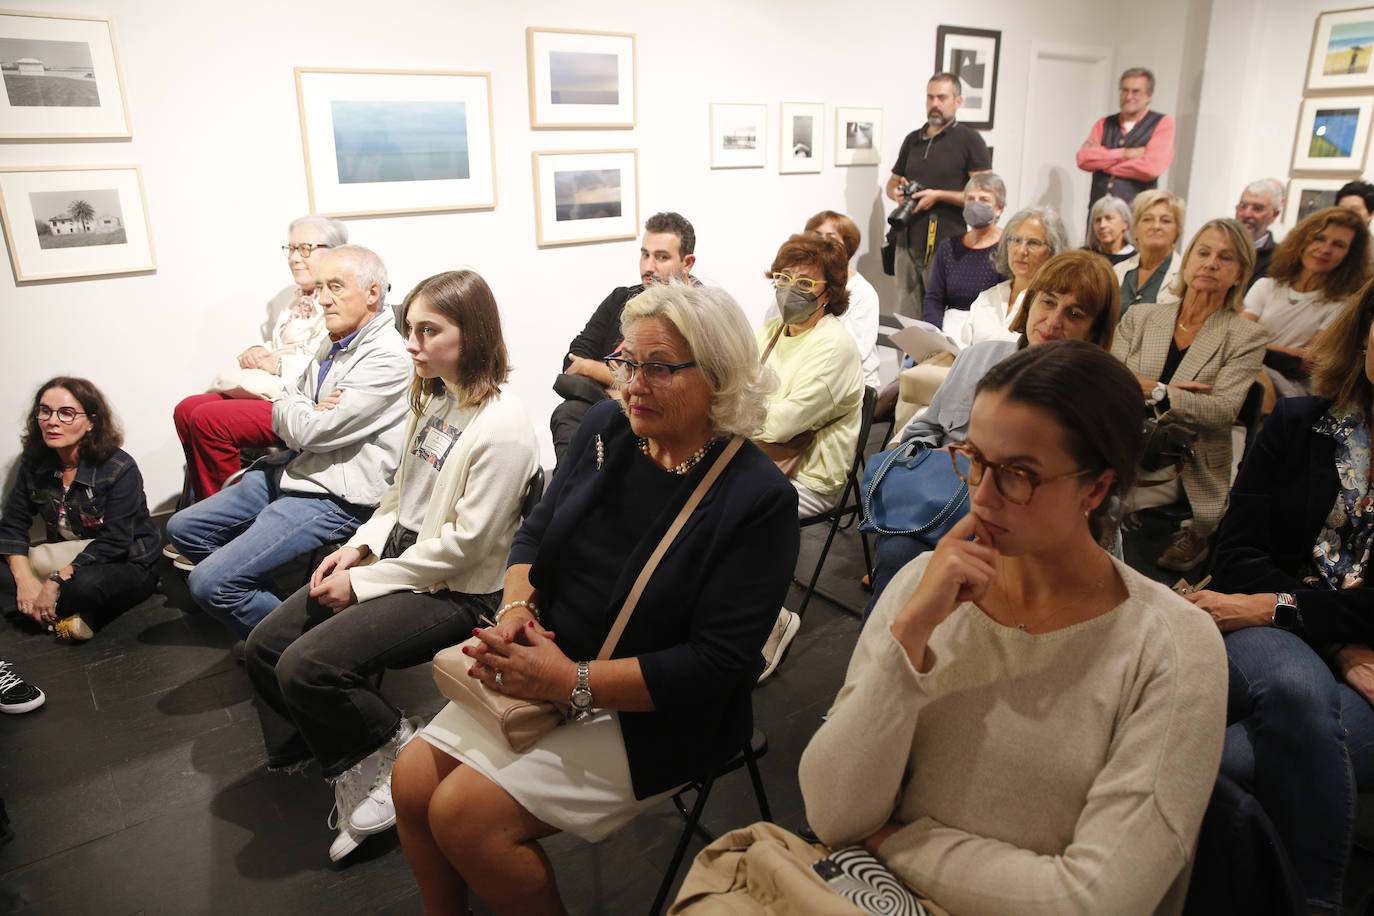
[{"x": 215, "y": 130}]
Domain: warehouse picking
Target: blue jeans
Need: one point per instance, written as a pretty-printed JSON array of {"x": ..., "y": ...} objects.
[
  {"x": 240, "y": 535},
  {"x": 1300, "y": 740},
  {"x": 890, "y": 553}
]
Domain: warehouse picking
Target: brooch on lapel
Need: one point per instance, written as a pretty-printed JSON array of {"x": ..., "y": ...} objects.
[{"x": 600, "y": 452}]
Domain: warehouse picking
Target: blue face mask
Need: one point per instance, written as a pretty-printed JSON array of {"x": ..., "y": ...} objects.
[{"x": 795, "y": 306}]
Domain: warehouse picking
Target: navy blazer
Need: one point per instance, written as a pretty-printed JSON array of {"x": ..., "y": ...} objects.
[
  {"x": 1279, "y": 503},
  {"x": 699, "y": 628}
]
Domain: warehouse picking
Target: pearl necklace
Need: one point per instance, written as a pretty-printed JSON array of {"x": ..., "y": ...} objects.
[{"x": 692, "y": 460}]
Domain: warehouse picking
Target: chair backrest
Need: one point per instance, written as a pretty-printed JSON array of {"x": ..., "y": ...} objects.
[
  {"x": 534, "y": 491},
  {"x": 865, "y": 424},
  {"x": 1250, "y": 416}
]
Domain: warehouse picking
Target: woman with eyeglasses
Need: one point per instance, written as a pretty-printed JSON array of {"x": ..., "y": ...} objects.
[
  {"x": 1027, "y": 724},
  {"x": 236, "y": 412},
  {"x": 672, "y": 701},
  {"x": 99, "y": 546},
  {"x": 1034, "y": 235}
]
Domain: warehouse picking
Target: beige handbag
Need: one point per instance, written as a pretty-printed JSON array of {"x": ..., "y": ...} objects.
[{"x": 523, "y": 722}]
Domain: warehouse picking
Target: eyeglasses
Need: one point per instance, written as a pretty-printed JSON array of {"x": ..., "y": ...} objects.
[
  {"x": 305, "y": 248},
  {"x": 656, "y": 374},
  {"x": 1032, "y": 244},
  {"x": 1014, "y": 484},
  {"x": 65, "y": 415},
  {"x": 805, "y": 284}
]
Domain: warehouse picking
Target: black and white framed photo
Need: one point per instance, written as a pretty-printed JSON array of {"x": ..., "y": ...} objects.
[
  {"x": 62, "y": 78},
  {"x": 75, "y": 221},
  {"x": 1333, "y": 134},
  {"x": 1308, "y": 195},
  {"x": 581, "y": 79},
  {"x": 801, "y": 141},
  {"x": 396, "y": 141},
  {"x": 586, "y": 196},
  {"x": 1342, "y": 44},
  {"x": 739, "y": 135},
  {"x": 858, "y": 135},
  {"x": 972, "y": 55}
]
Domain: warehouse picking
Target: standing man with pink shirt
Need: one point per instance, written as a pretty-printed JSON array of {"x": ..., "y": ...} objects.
[{"x": 1128, "y": 151}]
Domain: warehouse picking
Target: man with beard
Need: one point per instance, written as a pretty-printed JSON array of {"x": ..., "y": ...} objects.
[{"x": 1259, "y": 206}]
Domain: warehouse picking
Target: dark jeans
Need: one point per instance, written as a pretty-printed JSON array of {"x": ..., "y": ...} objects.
[
  {"x": 890, "y": 553},
  {"x": 1300, "y": 740},
  {"x": 312, "y": 669},
  {"x": 563, "y": 423},
  {"x": 99, "y": 592}
]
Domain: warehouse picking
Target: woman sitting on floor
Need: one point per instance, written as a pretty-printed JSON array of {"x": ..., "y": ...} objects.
[{"x": 416, "y": 577}]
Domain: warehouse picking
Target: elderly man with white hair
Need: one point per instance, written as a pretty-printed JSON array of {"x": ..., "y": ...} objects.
[{"x": 1260, "y": 204}]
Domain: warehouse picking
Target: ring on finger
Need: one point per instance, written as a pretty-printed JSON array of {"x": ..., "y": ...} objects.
[{"x": 500, "y": 679}]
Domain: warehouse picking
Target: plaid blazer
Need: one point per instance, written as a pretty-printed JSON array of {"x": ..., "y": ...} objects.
[{"x": 1226, "y": 354}]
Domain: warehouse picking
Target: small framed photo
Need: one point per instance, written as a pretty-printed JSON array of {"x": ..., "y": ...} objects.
[
  {"x": 1342, "y": 43},
  {"x": 581, "y": 79},
  {"x": 590, "y": 196},
  {"x": 396, "y": 141},
  {"x": 972, "y": 55},
  {"x": 1308, "y": 195},
  {"x": 739, "y": 136},
  {"x": 858, "y": 136},
  {"x": 76, "y": 221},
  {"x": 62, "y": 78},
  {"x": 1333, "y": 134},
  {"x": 801, "y": 141}
]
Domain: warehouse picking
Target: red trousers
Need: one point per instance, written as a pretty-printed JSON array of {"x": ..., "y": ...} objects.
[{"x": 212, "y": 429}]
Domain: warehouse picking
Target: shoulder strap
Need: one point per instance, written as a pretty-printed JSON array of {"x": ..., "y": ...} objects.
[
  {"x": 782, "y": 326},
  {"x": 669, "y": 536}
]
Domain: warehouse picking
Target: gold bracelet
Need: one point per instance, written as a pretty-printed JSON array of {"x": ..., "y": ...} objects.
[{"x": 527, "y": 605}]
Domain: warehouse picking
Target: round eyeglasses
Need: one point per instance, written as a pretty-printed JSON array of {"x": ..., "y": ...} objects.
[
  {"x": 65, "y": 415},
  {"x": 656, "y": 374},
  {"x": 805, "y": 284},
  {"x": 305, "y": 248},
  {"x": 1033, "y": 244},
  {"x": 1014, "y": 484}
]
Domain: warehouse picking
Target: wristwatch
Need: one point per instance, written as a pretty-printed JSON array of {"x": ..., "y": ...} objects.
[
  {"x": 1286, "y": 615},
  {"x": 56, "y": 576},
  {"x": 1158, "y": 393},
  {"x": 581, "y": 697}
]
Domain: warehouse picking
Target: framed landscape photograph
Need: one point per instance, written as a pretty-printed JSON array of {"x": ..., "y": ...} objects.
[
  {"x": 62, "y": 78},
  {"x": 83, "y": 221},
  {"x": 801, "y": 140},
  {"x": 1308, "y": 195},
  {"x": 1333, "y": 134},
  {"x": 1342, "y": 43},
  {"x": 396, "y": 141},
  {"x": 581, "y": 79},
  {"x": 590, "y": 196},
  {"x": 972, "y": 55},
  {"x": 858, "y": 136},
  {"x": 739, "y": 136}
]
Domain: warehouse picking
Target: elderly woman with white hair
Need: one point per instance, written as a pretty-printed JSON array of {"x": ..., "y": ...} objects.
[
  {"x": 1109, "y": 229},
  {"x": 964, "y": 264},
  {"x": 1034, "y": 235},
  {"x": 672, "y": 701}
]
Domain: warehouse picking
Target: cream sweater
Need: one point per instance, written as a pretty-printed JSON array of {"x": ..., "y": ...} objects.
[
  {"x": 1036, "y": 774},
  {"x": 472, "y": 515}
]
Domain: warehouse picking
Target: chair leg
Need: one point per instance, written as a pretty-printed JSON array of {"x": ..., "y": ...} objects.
[
  {"x": 820, "y": 562},
  {"x": 751, "y": 761},
  {"x": 868, "y": 555},
  {"x": 693, "y": 824}
]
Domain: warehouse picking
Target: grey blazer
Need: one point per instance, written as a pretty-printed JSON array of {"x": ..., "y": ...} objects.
[{"x": 1226, "y": 354}]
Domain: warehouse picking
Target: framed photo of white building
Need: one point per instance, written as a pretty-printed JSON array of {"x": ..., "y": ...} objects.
[
  {"x": 581, "y": 79},
  {"x": 587, "y": 196},
  {"x": 858, "y": 136},
  {"x": 801, "y": 138},
  {"x": 61, "y": 78},
  {"x": 973, "y": 55},
  {"x": 75, "y": 221},
  {"x": 739, "y": 136}
]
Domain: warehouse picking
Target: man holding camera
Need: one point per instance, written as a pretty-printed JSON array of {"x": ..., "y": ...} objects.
[{"x": 934, "y": 164}]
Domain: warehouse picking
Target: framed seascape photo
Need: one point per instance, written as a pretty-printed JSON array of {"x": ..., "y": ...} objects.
[
  {"x": 801, "y": 140},
  {"x": 971, "y": 55},
  {"x": 82, "y": 221},
  {"x": 590, "y": 196},
  {"x": 396, "y": 141},
  {"x": 62, "y": 78},
  {"x": 581, "y": 79},
  {"x": 858, "y": 136},
  {"x": 738, "y": 136},
  {"x": 1308, "y": 195},
  {"x": 1333, "y": 134},
  {"x": 1342, "y": 43}
]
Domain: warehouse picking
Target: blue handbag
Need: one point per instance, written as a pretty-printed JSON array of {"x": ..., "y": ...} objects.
[{"x": 913, "y": 490}]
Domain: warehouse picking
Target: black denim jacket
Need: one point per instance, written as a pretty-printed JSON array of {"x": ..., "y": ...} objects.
[{"x": 105, "y": 502}]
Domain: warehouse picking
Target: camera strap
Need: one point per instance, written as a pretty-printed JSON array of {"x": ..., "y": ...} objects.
[{"x": 931, "y": 225}]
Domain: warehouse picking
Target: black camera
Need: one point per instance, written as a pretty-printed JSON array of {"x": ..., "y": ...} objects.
[{"x": 901, "y": 217}]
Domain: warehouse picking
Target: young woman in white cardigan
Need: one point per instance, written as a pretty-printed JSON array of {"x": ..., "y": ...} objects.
[{"x": 416, "y": 577}]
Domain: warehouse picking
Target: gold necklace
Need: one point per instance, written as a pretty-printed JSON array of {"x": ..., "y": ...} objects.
[
  {"x": 1025, "y": 627},
  {"x": 685, "y": 467}
]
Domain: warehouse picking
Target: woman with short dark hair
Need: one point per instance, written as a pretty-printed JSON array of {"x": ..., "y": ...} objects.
[{"x": 861, "y": 318}]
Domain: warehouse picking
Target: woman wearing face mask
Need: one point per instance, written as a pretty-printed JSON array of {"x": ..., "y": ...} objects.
[{"x": 964, "y": 265}]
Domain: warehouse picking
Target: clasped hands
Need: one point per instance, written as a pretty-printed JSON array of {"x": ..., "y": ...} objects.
[
  {"x": 37, "y": 599},
  {"x": 523, "y": 654},
  {"x": 258, "y": 357}
]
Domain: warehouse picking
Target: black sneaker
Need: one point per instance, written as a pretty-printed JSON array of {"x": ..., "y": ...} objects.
[{"x": 17, "y": 695}]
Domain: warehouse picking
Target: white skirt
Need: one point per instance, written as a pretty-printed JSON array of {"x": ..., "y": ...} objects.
[{"x": 576, "y": 778}]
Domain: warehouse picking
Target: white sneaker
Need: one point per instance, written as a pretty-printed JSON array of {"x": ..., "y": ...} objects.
[
  {"x": 778, "y": 642},
  {"x": 376, "y": 811},
  {"x": 350, "y": 788},
  {"x": 343, "y": 844}
]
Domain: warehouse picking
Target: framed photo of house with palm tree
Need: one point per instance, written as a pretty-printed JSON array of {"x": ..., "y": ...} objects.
[
  {"x": 60, "y": 78},
  {"x": 82, "y": 221}
]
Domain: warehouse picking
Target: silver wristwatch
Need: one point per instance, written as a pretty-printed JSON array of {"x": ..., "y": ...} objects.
[
  {"x": 581, "y": 697},
  {"x": 56, "y": 576},
  {"x": 1158, "y": 393}
]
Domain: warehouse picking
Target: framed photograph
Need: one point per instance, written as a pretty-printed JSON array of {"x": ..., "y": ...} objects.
[
  {"x": 1342, "y": 42},
  {"x": 739, "y": 136},
  {"x": 62, "y": 78},
  {"x": 590, "y": 196},
  {"x": 858, "y": 136},
  {"x": 801, "y": 141},
  {"x": 76, "y": 221},
  {"x": 581, "y": 79},
  {"x": 396, "y": 141},
  {"x": 1333, "y": 134},
  {"x": 1307, "y": 195},
  {"x": 971, "y": 55}
]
